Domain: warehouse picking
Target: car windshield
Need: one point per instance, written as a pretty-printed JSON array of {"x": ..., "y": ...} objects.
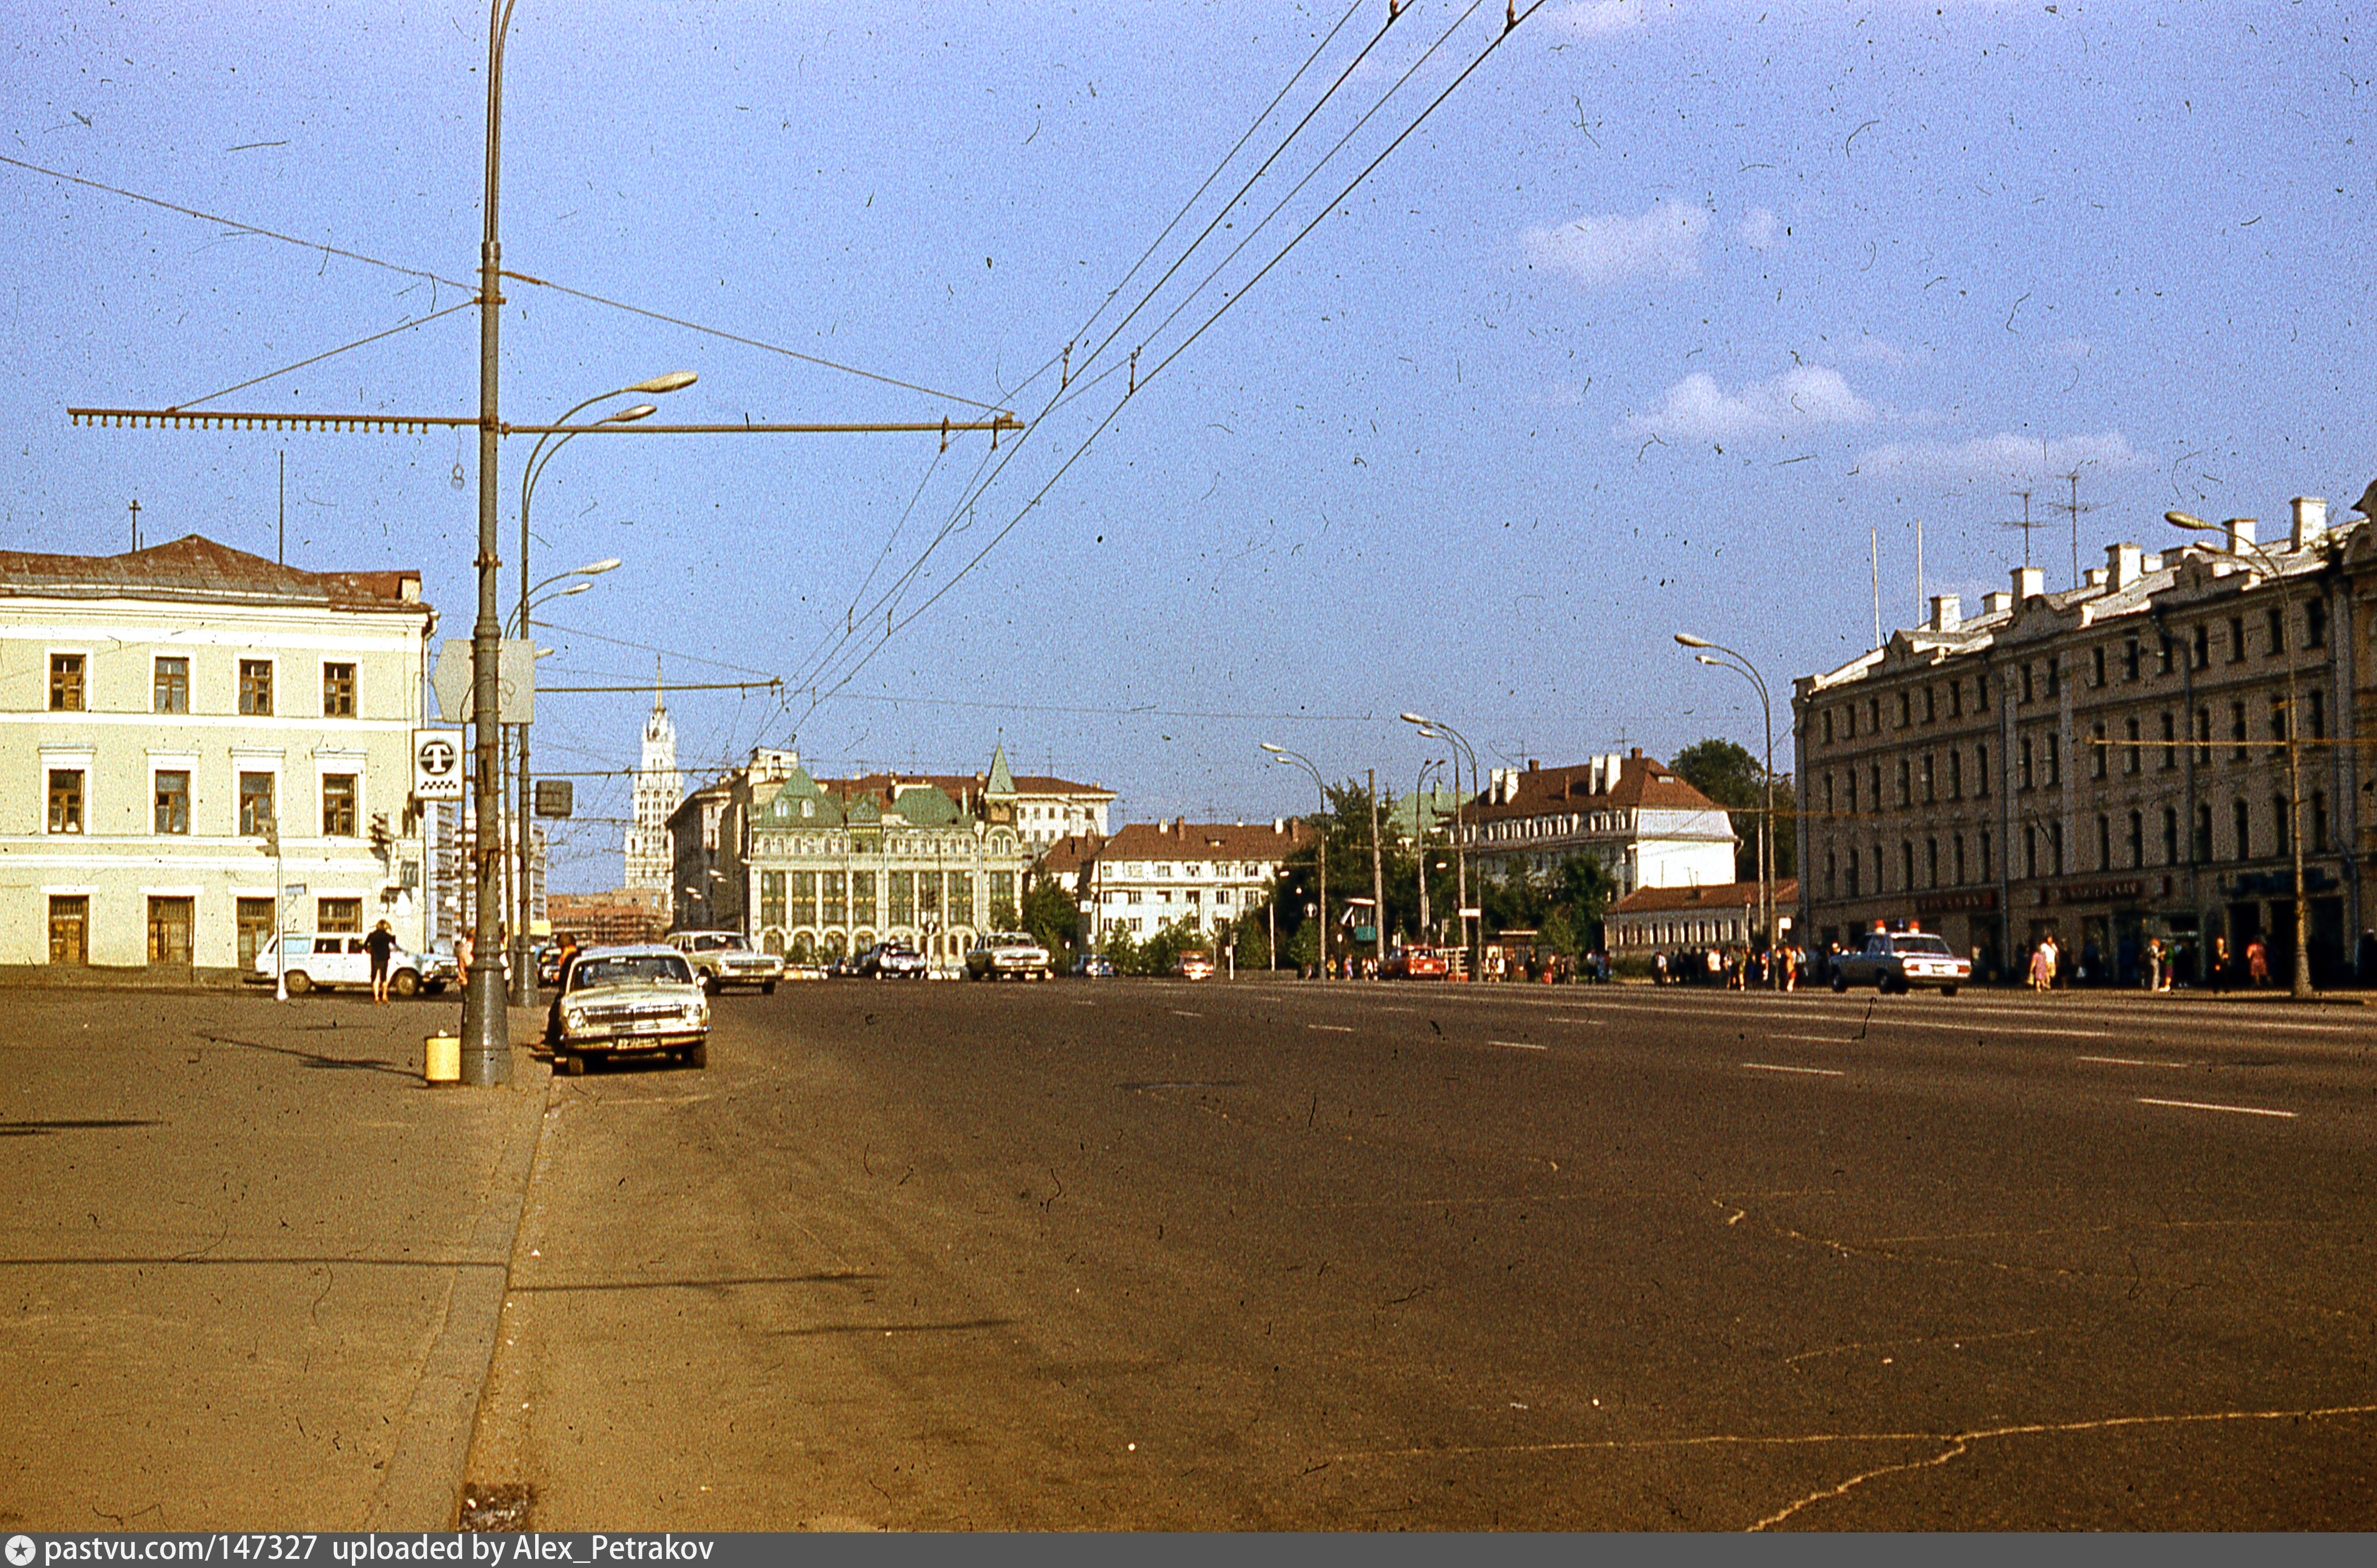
[
  {"x": 1934, "y": 947},
  {"x": 630, "y": 969}
]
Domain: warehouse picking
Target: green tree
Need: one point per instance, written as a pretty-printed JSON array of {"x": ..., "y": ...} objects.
[
  {"x": 1729, "y": 774},
  {"x": 1051, "y": 913}
]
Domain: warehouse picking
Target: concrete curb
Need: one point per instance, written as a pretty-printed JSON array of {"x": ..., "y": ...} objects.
[{"x": 422, "y": 1490}]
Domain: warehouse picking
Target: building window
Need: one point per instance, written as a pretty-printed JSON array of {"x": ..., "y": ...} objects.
[
  {"x": 771, "y": 898},
  {"x": 171, "y": 686},
  {"x": 2130, "y": 659},
  {"x": 2236, "y": 730},
  {"x": 1956, "y": 699},
  {"x": 2278, "y": 722},
  {"x": 338, "y": 691},
  {"x": 2166, "y": 653},
  {"x": 2103, "y": 843},
  {"x": 2203, "y": 651},
  {"x": 2282, "y": 820},
  {"x": 2054, "y": 680},
  {"x": 2129, "y": 754},
  {"x": 1985, "y": 854},
  {"x": 862, "y": 898},
  {"x": 255, "y": 688},
  {"x": 2318, "y": 713},
  {"x": 2170, "y": 835},
  {"x": 339, "y": 914},
  {"x": 2203, "y": 835},
  {"x": 2277, "y": 629},
  {"x": 2318, "y": 822},
  {"x": 2097, "y": 751},
  {"x": 2170, "y": 738},
  {"x": 804, "y": 898},
  {"x": 2028, "y": 676},
  {"x": 2023, "y": 770},
  {"x": 1980, "y": 770},
  {"x": 2315, "y": 624},
  {"x": 254, "y": 804},
  {"x": 66, "y": 800},
  {"x": 2096, "y": 666},
  {"x": 2055, "y": 844},
  {"x": 1958, "y": 843},
  {"x": 1903, "y": 711},
  {"x": 831, "y": 898},
  {"x": 172, "y": 801},
  {"x": 1828, "y": 727},
  {"x": 2243, "y": 817},
  {"x": 2029, "y": 851},
  {"x": 1955, "y": 774},
  {"x": 1906, "y": 864},
  {"x": 65, "y": 683},
  {"x": 1852, "y": 873},
  {"x": 337, "y": 805},
  {"x": 2235, "y": 640}
]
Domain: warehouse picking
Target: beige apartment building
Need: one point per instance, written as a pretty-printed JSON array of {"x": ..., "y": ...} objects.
[
  {"x": 2107, "y": 763},
  {"x": 171, "y": 718}
]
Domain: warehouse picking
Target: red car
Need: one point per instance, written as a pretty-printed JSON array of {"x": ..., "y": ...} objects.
[{"x": 1414, "y": 964}]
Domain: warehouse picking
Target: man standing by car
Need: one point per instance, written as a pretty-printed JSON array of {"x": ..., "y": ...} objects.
[{"x": 379, "y": 944}]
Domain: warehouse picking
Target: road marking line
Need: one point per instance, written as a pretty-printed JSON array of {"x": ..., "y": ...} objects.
[
  {"x": 1517, "y": 1045},
  {"x": 1177, "y": 1013},
  {"x": 1812, "y": 1072},
  {"x": 1577, "y": 1018},
  {"x": 2235, "y": 1110},
  {"x": 1333, "y": 1028},
  {"x": 2130, "y": 1061},
  {"x": 1818, "y": 1039}
]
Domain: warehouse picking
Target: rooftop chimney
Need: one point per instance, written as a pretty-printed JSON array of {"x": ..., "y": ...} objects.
[
  {"x": 1947, "y": 612},
  {"x": 2123, "y": 566},
  {"x": 2311, "y": 521},
  {"x": 2029, "y": 582},
  {"x": 1994, "y": 604},
  {"x": 2241, "y": 533},
  {"x": 2096, "y": 577}
]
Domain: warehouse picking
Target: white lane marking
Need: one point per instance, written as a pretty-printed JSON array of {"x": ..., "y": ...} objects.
[
  {"x": 2234, "y": 1110},
  {"x": 1577, "y": 1018},
  {"x": 1177, "y": 1013},
  {"x": 1398, "y": 1009},
  {"x": 1517, "y": 1045},
  {"x": 1818, "y": 1039},
  {"x": 1812, "y": 1072},
  {"x": 2130, "y": 1061},
  {"x": 1331, "y": 1028},
  {"x": 1988, "y": 1029}
]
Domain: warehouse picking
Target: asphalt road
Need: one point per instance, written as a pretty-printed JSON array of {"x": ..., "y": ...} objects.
[{"x": 1141, "y": 1255}]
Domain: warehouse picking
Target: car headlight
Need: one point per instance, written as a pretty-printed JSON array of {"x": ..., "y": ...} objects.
[{"x": 573, "y": 1017}]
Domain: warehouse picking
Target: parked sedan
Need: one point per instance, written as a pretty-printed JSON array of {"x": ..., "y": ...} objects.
[
  {"x": 891, "y": 960},
  {"x": 628, "y": 1000},
  {"x": 322, "y": 961},
  {"x": 1000, "y": 954}
]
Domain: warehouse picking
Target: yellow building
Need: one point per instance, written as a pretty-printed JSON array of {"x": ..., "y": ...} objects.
[{"x": 161, "y": 712}]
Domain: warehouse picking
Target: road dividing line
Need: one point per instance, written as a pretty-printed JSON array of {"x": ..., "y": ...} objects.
[
  {"x": 1331, "y": 1028},
  {"x": 1812, "y": 1039},
  {"x": 1177, "y": 1013},
  {"x": 1812, "y": 1072},
  {"x": 2233, "y": 1110},
  {"x": 1517, "y": 1045},
  {"x": 2130, "y": 1061}
]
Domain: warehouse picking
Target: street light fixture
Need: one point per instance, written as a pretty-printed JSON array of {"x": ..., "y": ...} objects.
[
  {"x": 2238, "y": 548},
  {"x": 1726, "y": 659},
  {"x": 1281, "y": 754},
  {"x": 524, "y": 972},
  {"x": 1437, "y": 729}
]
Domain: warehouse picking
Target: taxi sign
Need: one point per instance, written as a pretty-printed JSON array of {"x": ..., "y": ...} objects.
[{"x": 438, "y": 764}]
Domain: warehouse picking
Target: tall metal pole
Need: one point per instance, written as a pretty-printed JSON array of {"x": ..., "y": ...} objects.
[
  {"x": 1741, "y": 666},
  {"x": 1435, "y": 729},
  {"x": 1378, "y": 880},
  {"x": 1281, "y": 754},
  {"x": 486, "y": 1023}
]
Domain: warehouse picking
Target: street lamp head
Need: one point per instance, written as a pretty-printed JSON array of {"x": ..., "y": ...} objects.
[
  {"x": 2192, "y": 524},
  {"x": 1689, "y": 640},
  {"x": 574, "y": 587},
  {"x": 628, "y": 415},
  {"x": 1704, "y": 659},
  {"x": 1275, "y": 750},
  {"x": 674, "y": 381},
  {"x": 609, "y": 563},
  {"x": 1415, "y": 719}
]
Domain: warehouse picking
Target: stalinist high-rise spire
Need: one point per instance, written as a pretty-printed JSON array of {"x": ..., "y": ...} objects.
[{"x": 658, "y": 788}]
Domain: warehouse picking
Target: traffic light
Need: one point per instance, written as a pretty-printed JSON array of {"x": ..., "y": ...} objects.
[{"x": 383, "y": 843}]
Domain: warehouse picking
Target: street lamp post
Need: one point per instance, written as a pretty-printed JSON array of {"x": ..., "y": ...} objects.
[
  {"x": 1281, "y": 754},
  {"x": 1741, "y": 666},
  {"x": 1437, "y": 729},
  {"x": 523, "y": 987},
  {"x": 2239, "y": 548},
  {"x": 1419, "y": 831},
  {"x": 524, "y": 972}
]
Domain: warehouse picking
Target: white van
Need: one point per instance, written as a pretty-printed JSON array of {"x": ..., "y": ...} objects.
[{"x": 314, "y": 961}]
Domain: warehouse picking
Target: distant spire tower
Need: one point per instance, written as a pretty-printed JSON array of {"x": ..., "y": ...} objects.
[{"x": 659, "y": 787}]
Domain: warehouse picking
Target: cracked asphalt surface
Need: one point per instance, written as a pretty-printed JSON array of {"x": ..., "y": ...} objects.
[{"x": 1144, "y": 1255}]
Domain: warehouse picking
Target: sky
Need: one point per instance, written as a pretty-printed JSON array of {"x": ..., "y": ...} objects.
[{"x": 1362, "y": 366}]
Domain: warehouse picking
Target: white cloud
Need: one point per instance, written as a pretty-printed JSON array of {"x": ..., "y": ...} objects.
[
  {"x": 1798, "y": 400},
  {"x": 1999, "y": 457},
  {"x": 1760, "y": 230},
  {"x": 1663, "y": 242}
]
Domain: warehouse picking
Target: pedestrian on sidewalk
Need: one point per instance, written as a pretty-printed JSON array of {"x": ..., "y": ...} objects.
[
  {"x": 379, "y": 944},
  {"x": 2257, "y": 962},
  {"x": 2042, "y": 966}
]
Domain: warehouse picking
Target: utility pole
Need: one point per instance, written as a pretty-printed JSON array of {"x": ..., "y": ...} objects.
[{"x": 1378, "y": 880}]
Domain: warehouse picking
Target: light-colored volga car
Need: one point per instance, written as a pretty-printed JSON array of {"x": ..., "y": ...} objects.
[
  {"x": 726, "y": 958},
  {"x": 628, "y": 1000},
  {"x": 326, "y": 960},
  {"x": 1001, "y": 953},
  {"x": 1899, "y": 961}
]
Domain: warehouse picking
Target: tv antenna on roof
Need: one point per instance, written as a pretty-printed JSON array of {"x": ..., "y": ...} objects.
[
  {"x": 2073, "y": 508},
  {"x": 2025, "y": 523}
]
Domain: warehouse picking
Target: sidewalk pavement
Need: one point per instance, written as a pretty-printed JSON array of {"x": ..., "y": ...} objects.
[{"x": 252, "y": 1264}]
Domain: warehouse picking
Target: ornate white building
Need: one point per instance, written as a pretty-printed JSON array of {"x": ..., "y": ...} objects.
[{"x": 650, "y": 855}]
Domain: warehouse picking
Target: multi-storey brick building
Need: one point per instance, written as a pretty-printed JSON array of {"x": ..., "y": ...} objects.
[
  {"x": 190, "y": 733},
  {"x": 2107, "y": 763}
]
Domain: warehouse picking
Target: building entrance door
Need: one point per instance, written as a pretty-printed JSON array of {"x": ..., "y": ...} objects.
[
  {"x": 254, "y": 918},
  {"x": 70, "y": 929},
  {"x": 170, "y": 924}
]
